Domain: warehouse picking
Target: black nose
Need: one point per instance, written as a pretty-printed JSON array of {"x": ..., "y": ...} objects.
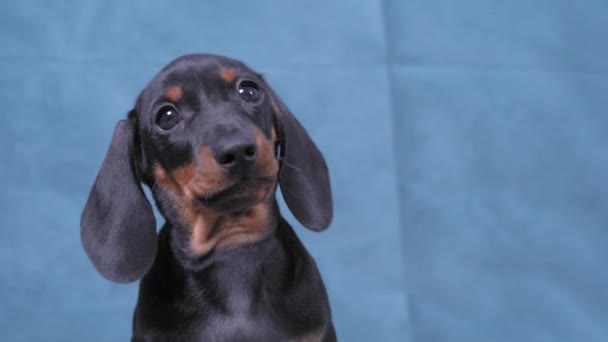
[{"x": 237, "y": 155}]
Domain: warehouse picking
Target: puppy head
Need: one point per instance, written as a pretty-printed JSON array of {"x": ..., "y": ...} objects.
[
  {"x": 203, "y": 136},
  {"x": 207, "y": 136}
]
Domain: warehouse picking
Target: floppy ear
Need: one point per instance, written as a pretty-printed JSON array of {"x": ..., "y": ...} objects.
[
  {"x": 303, "y": 176},
  {"x": 117, "y": 227}
]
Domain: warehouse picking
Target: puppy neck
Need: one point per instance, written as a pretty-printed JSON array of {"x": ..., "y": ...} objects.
[
  {"x": 213, "y": 233},
  {"x": 228, "y": 231}
]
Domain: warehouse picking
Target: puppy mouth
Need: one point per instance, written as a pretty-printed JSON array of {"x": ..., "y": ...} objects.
[{"x": 239, "y": 195}]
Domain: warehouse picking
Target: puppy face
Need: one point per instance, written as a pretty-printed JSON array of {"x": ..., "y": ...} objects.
[
  {"x": 202, "y": 136},
  {"x": 208, "y": 141}
]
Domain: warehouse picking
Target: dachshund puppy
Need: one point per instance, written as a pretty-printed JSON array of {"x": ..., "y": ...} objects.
[{"x": 212, "y": 141}]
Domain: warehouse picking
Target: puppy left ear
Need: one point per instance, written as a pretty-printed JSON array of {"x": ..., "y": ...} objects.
[
  {"x": 303, "y": 176},
  {"x": 118, "y": 229}
]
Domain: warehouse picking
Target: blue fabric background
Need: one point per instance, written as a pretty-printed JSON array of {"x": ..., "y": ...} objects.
[{"x": 467, "y": 143}]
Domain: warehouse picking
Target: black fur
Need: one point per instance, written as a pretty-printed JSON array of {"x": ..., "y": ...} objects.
[
  {"x": 304, "y": 177},
  {"x": 118, "y": 226},
  {"x": 267, "y": 290}
]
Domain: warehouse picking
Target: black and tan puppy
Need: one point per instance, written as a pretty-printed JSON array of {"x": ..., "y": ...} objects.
[{"x": 212, "y": 141}]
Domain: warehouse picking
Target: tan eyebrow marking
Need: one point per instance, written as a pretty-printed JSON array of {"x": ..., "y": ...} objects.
[
  {"x": 174, "y": 93},
  {"x": 228, "y": 75}
]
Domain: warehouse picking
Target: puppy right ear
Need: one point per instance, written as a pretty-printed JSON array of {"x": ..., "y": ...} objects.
[{"x": 117, "y": 227}]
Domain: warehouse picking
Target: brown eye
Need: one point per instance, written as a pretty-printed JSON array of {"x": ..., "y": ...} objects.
[
  {"x": 167, "y": 117},
  {"x": 249, "y": 92}
]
